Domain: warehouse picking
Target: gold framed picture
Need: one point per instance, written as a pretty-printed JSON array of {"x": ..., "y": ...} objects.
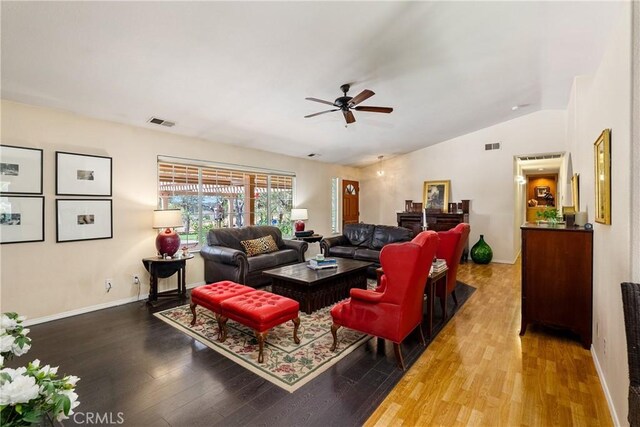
[
  {"x": 602, "y": 162},
  {"x": 436, "y": 195}
]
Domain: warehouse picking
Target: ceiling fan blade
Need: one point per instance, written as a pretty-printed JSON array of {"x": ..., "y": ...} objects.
[
  {"x": 319, "y": 100},
  {"x": 374, "y": 109},
  {"x": 348, "y": 116},
  {"x": 365, "y": 94},
  {"x": 321, "y": 112}
]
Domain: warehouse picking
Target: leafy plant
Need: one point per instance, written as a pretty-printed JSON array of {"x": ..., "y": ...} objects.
[
  {"x": 29, "y": 393},
  {"x": 548, "y": 214}
]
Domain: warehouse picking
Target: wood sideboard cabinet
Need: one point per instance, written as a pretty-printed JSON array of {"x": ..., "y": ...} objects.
[
  {"x": 410, "y": 220},
  {"x": 557, "y": 278}
]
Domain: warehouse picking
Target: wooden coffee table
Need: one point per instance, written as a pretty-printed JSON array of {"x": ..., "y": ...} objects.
[{"x": 315, "y": 289}]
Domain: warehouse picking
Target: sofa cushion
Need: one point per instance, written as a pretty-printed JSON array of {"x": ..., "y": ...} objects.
[
  {"x": 231, "y": 237},
  {"x": 342, "y": 251},
  {"x": 385, "y": 234},
  {"x": 370, "y": 255},
  {"x": 261, "y": 245},
  {"x": 359, "y": 234},
  {"x": 272, "y": 260}
]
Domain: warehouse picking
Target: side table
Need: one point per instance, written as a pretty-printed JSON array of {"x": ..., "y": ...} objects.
[{"x": 163, "y": 268}]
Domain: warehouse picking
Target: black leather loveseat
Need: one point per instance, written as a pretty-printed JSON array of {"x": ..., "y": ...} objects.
[
  {"x": 226, "y": 259},
  {"x": 364, "y": 242}
]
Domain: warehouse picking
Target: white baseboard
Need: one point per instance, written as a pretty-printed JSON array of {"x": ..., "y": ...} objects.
[
  {"x": 97, "y": 307},
  {"x": 605, "y": 388}
]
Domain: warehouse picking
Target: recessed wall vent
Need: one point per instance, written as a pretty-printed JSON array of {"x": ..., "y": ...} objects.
[
  {"x": 493, "y": 146},
  {"x": 157, "y": 121}
]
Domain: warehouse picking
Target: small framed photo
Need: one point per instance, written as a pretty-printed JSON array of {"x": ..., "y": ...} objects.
[
  {"x": 542, "y": 190},
  {"x": 20, "y": 170},
  {"x": 21, "y": 219},
  {"x": 82, "y": 175},
  {"x": 602, "y": 163},
  {"x": 83, "y": 219},
  {"x": 436, "y": 195}
]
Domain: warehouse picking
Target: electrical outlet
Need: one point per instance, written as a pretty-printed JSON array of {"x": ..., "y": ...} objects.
[
  {"x": 108, "y": 284},
  {"x": 605, "y": 346},
  {"x": 135, "y": 279}
]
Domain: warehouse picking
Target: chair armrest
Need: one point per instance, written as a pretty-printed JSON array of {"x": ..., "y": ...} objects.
[
  {"x": 366, "y": 296},
  {"x": 298, "y": 245},
  {"x": 328, "y": 242},
  {"x": 223, "y": 255}
]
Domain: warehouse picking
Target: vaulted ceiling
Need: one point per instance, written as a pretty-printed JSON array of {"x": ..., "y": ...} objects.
[{"x": 239, "y": 72}]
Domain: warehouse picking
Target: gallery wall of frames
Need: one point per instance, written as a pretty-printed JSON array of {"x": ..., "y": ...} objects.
[{"x": 84, "y": 213}]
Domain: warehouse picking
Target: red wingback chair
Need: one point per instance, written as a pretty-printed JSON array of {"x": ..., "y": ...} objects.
[
  {"x": 452, "y": 243},
  {"x": 394, "y": 309}
]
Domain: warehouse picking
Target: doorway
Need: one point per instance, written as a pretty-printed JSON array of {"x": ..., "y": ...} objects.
[{"x": 350, "y": 202}]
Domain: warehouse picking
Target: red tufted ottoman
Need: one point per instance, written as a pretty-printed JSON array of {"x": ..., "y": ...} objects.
[
  {"x": 210, "y": 296},
  {"x": 260, "y": 311}
]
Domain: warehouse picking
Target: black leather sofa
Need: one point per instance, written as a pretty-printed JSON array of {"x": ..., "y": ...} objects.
[
  {"x": 225, "y": 258},
  {"x": 364, "y": 242}
]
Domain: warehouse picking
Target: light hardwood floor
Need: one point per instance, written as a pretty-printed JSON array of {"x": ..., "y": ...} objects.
[{"x": 479, "y": 371}]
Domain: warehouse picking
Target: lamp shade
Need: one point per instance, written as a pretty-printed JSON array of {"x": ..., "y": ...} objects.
[
  {"x": 299, "y": 214},
  {"x": 169, "y": 218}
]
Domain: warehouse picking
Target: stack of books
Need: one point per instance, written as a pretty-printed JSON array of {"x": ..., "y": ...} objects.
[
  {"x": 306, "y": 233},
  {"x": 315, "y": 264},
  {"x": 438, "y": 266}
]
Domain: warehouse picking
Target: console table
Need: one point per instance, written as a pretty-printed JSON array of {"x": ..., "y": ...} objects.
[{"x": 163, "y": 268}]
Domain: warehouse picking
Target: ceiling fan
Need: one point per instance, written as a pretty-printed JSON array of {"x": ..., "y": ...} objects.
[{"x": 346, "y": 104}]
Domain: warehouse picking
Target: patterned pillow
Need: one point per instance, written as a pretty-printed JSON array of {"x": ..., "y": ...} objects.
[{"x": 263, "y": 245}]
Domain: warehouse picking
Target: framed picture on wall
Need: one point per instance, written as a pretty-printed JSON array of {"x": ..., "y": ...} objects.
[
  {"x": 602, "y": 163},
  {"x": 542, "y": 190},
  {"x": 83, "y": 219},
  {"x": 436, "y": 195},
  {"x": 21, "y": 219},
  {"x": 575, "y": 191},
  {"x": 82, "y": 175},
  {"x": 20, "y": 170}
]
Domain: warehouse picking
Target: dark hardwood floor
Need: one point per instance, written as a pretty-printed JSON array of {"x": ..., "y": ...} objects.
[{"x": 135, "y": 367}]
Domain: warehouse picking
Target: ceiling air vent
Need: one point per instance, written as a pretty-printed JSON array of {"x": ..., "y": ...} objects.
[
  {"x": 157, "y": 121},
  {"x": 494, "y": 146}
]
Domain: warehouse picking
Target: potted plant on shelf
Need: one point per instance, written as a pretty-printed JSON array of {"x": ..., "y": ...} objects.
[{"x": 548, "y": 215}]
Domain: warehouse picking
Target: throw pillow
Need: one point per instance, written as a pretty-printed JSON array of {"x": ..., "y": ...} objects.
[{"x": 263, "y": 245}]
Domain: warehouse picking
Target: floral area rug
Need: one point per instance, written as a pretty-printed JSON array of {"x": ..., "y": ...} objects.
[{"x": 286, "y": 364}]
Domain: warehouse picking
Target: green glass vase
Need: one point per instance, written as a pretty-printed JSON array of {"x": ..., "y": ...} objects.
[{"x": 481, "y": 252}]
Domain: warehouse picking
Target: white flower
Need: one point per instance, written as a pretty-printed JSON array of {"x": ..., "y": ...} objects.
[
  {"x": 48, "y": 370},
  {"x": 73, "y": 397},
  {"x": 35, "y": 363},
  {"x": 1, "y": 361},
  {"x": 8, "y": 323},
  {"x": 19, "y": 351},
  {"x": 21, "y": 389},
  {"x": 25, "y": 331},
  {"x": 71, "y": 380},
  {"x": 6, "y": 343}
]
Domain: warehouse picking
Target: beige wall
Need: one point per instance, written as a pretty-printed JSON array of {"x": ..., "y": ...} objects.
[
  {"x": 598, "y": 102},
  {"x": 485, "y": 177},
  {"x": 44, "y": 279}
]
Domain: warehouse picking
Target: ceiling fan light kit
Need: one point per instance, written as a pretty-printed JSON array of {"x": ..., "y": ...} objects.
[{"x": 347, "y": 103}]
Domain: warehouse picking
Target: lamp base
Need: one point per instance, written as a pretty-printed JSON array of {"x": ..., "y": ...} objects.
[
  {"x": 299, "y": 225},
  {"x": 167, "y": 242}
]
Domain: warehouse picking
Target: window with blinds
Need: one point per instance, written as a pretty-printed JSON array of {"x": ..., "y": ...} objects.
[{"x": 213, "y": 197}]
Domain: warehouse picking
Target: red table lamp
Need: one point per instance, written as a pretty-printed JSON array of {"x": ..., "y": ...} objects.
[
  {"x": 299, "y": 216},
  {"x": 168, "y": 240}
]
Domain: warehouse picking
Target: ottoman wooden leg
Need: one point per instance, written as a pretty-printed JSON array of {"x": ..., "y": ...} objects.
[
  {"x": 222, "y": 328},
  {"x": 193, "y": 310},
  {"x": 296, "y": 325},
  {"x": 261, "y": 336},
  {"x": 334, "y": 332}
]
